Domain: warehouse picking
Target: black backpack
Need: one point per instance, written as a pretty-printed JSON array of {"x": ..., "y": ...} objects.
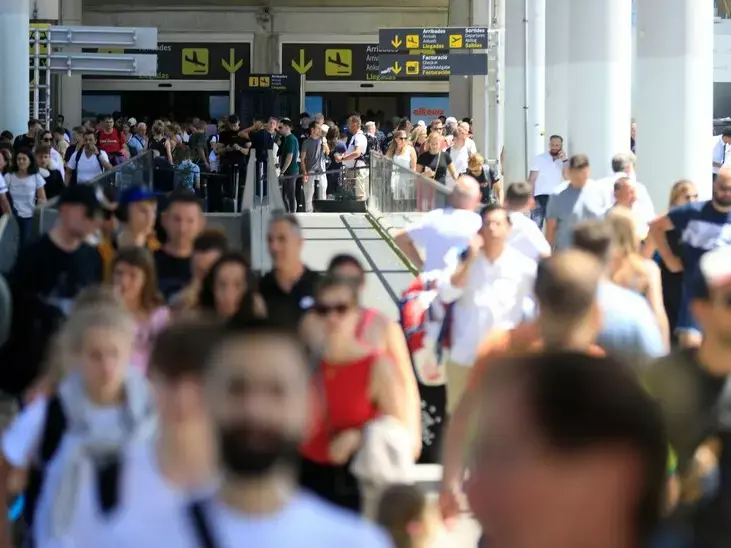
[
  {"x": 201, "y": 525},
  {"x": 108, "y": 472}
]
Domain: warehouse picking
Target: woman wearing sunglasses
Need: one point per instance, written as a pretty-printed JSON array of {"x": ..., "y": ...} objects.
[{"x": 355, "y": 384}]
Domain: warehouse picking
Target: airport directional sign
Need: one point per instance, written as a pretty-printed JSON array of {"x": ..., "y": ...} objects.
[
  {"x": 433, "y": 38},
  {"x": 405, "y": 66},
  {"x": 271, "y": 82}
]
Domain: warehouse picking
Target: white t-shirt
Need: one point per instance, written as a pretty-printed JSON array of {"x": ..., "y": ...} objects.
[
  {"x": 306, "y": 522},
  {"x": 442, "y": 230},
  {"x": 145, "y": 496},
  {"x": 57, "y": 163},
  {"x": 460, "y": 157},
  {"x": 526, "y": 237},
  {"x": 720, "y": 154},
  {"x": 20, "y": 446},
  {"x": 3, "y": 185},
  {"x": 550, "y": 174},
  {"x": 23, "y": 192},
  {"x": 88, "y": 166},
  {"x": 358, "y": 140}
]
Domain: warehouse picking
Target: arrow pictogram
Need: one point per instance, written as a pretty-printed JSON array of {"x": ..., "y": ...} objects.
[
  {"x": 304, "y": 65},
  {"x": 396, "y": 67},
  {"x": 396, "y": 42},
  {"x": 232, "y": 65}
]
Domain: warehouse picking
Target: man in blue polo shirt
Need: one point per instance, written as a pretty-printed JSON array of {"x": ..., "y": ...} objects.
[{"x": 703, "y": 226}]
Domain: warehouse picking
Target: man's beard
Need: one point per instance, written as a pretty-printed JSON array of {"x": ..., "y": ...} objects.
[
  {"x": 723, "y": 202},
  {"x": 247, "y": 451}
]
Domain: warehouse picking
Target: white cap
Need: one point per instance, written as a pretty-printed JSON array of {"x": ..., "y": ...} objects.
[
  {"x": 716, "y": 266},
  {"x": 451, "y": 120},
  {"x": 421, "y": 123},
  {"x": 324, "y": 128},
  {"x": 132, "y": 121}
]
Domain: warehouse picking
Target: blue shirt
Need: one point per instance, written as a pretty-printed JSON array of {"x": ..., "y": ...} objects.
[
  {"x": 135, "y": 145},
  {"x": 702, "y": 228},
  {"x": 628, "y": 325},
  {"x": 186, "y": 174}
]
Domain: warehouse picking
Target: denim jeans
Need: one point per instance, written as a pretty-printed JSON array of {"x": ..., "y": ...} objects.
[{"x": 538, "y": 213}]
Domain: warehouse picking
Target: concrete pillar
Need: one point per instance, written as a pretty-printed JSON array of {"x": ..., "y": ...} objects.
[
  {"x": 674, "y": 108},
  {"x": 14, "y": 66},
  {"x": 515, "y": 97},
  {"x": 459, "y": 86},
  {"x": 481, "y": 94},
  {"x": 557, "y": 68},
  {"x": 600, "y": 73},
  {"x": 70, "y": 97},
  {"x": 44, "y": 10},
  {"x": 535, "y": 78},
  {"x": 525, "y": 85}
]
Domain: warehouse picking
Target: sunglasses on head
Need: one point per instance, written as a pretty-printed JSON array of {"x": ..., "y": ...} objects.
[{"x": 327, "y": 309}]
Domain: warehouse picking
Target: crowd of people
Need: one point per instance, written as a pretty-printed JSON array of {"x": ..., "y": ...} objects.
[{"x": 168, "y": 394}]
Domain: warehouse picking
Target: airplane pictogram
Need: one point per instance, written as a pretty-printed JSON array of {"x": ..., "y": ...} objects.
[
  {"x": 193, "y": 59},
  {"x": 338, "y": 60}
]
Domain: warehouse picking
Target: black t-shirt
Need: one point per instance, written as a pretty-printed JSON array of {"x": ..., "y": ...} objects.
[
  {"x": 44, "y": 282},
  {"x": 437, "y": 163},
  {"x": 261, "y": 141},
  {"x": 173, "y": 273},
  {"x": 289, "y": 307},
  {"x": 486, "y": 178},
  {"x": 54, "y": 184},
  {"x": 229, "y": 138}
]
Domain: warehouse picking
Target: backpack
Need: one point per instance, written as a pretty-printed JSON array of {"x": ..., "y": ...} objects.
[
  {"x": 201, "y": 525},
  {"x": 419, "y": 324},
  {"x": 55, "y": 426},
  {"x": 373, "y": 144},
  {"x": 74, "y": 176}
]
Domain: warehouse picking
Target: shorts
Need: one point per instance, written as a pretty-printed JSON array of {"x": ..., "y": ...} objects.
[{"x": 686, "y": 322}]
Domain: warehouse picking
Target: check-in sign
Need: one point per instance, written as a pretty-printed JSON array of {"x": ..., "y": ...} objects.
[{"x": 405, "y": 66}]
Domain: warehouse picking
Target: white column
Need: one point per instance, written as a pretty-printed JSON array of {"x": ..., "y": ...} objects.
[
  {"x": 600, "y": 73},
  {"x": 515, "y": 168},
  {"x": 459, "y": 86},
  {"x": 535, "y": 77},
  {"x": 481, "y": 97},
  {"x": 557, "y": 68},
  {"x": 14, "y": 65},
  {"x": 70, "y": 100},
  {"x": 674, "y": 95}
]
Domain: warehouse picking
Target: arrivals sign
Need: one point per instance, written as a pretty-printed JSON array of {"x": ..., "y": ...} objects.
[
  {"x": 433, "y": 38},
  {"x": 270, "y": 82},
  {"x": 336, "y": 62},
  {"x": 405, "y": 66},
  {"x": 196, "y": 60}
]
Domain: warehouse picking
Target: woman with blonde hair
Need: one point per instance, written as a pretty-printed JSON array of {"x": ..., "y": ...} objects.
[
  {"x": 418, "y": 138},
  {"x": 159, "y": 142},
  {"x": 682, "y": 192},
  {"x": 631, "y": 270}
]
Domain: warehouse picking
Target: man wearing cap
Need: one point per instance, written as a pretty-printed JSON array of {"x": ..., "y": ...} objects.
[
  {"x": 692, "y": 387},
  {"x": 45, "y": 280},
  {"x": 137, "y": 213},
  {"x": 704, "y": 226}
]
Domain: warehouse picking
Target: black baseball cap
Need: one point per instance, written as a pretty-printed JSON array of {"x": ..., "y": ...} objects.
[{"x": 89, "y": 196}]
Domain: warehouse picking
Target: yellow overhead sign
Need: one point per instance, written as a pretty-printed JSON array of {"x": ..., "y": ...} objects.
[
  {"x": 232, "y": 65},
  {"x": 412, "y": 68},
  {"x": 455, "y": 41},
  {"x": 195, "y": 61},
  {"x": 304, "y": 64},
  {"x": 412, "y": 41},
  {"x": 338, "y": 62}
]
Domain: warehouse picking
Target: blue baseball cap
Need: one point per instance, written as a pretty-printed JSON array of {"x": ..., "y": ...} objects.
[{"x": 137, "y": 194}]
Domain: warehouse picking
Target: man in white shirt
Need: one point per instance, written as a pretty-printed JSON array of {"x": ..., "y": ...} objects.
[
  {"x": 441, "y": 230},
  {"x": 158, "y": 479},
  {"x": 462, "y": 148},
  {"x": 88, "y": 163},
  {"x": 720, "y": 152},
  {"x": 546, "y": 175},
  {"x": 623, "y": 166},
  {"x": 525, "y": 236},
  {"x": 353, "y": 159},
  {"x": 257, "y": 392},
  {"x": 489, "y": 287}
]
